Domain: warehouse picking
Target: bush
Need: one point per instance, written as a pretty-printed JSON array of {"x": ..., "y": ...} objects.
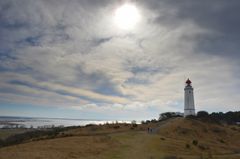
[
  {"x": 203, "y": 147},
  {"x": 30, "y": 135},
  {"x": 187, "y": 146},
  {"x": 148, "y": 121},
  {"x": 90, "y": 125},
  {"x": 195, "y": 142},
  {"x": 116, "y": 126},
  {"x": 202, "y": 114},
  {"x": 191, "y": 117},
  {"x": 143, "y": 122},
  {"x": 154, "y": 121},
  {"x": 221, "y": 140},
  {"x": 168, "y": 115},
  {"x": 229, "y": 117},
  {"x": 134, "y": 123}
]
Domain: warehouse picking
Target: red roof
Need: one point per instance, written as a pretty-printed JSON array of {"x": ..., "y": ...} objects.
[{"x": 188, "y": 81}]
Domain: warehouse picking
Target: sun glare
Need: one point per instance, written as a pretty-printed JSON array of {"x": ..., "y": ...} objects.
[{"x": 126, "y": 16}]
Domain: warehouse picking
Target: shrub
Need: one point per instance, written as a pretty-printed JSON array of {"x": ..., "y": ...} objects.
[
  {"x": 148, "y": 121},
  {"x": 168, "y": 115},
  {"x": 202, "y": 114},
  {"x": 116, "y": 126},
  {"x": 203, "y": 147},
  {"x": 191, "y": 117},
  {"x": 30, "y": 135},
  {"x": 195, "y": 142},
  {"x": 187, "y": 146},
  {"x": 90, "y": 125},
  {"x": 229, "y": 117},
  {"x": 221, "y": 140},
  {"x": 154, "y": 121},
  {"x": 134, "y": 123}
]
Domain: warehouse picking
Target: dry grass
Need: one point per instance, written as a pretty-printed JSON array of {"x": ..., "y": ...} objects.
[{"x": 168, "y": 141}]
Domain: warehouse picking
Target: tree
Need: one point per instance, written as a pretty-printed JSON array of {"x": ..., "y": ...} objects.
[
  {"x": 202, "y": 114},
  {"x": 134, "y": 122},
  {"x": 168, "y": 115}
]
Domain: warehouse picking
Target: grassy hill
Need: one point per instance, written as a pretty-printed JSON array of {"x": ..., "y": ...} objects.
[{"x": 170, "y": 139}]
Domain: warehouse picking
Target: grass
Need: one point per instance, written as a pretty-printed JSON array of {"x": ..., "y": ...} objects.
[
  {"x": 4, "y": 133},
  {"x": 119, "y": 141}
]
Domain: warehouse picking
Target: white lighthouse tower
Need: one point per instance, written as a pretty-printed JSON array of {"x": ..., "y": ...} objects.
[{"x": 189, "y": 108}]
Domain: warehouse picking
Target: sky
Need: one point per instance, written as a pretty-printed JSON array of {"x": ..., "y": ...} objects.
[{"x": 70, "y": 59}]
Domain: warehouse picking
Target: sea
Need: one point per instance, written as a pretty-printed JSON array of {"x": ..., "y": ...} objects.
[{"x": 31, "y": 122}]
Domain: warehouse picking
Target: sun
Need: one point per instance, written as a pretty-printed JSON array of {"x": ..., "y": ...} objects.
[{"x": 126, "y": 16}]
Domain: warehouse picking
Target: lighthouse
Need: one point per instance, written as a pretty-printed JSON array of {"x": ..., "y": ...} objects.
[{"x": 189, "y": 108}]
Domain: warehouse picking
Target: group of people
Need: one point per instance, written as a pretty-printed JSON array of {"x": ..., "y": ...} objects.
[{"x": 150, "y": 130}]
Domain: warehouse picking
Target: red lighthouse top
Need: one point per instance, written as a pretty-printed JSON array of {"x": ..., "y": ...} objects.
[{"x": 188, "y": 82}]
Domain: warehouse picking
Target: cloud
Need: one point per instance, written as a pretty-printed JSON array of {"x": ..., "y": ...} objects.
[
  {"x": 71, "y": 55},
  {"x": 218, "y": 16},
  {"x": 31, "y": 86}
]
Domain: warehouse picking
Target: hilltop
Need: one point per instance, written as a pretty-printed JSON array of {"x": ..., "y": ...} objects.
[{"x": 173, "y": 138}]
